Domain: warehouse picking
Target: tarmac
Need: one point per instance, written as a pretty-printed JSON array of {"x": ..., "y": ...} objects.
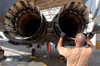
[{"x": 19, "y": 55}]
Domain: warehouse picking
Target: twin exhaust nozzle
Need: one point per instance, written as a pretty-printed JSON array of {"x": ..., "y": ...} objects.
[{"x": 25, "y": 24}]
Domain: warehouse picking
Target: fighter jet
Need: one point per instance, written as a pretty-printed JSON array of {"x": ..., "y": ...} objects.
[{"x": 25, "y": 24}]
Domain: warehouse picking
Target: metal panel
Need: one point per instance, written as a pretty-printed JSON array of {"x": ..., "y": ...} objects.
[
  {"x": 98, "y": 4},
  {"x": 44, "y": 4}
]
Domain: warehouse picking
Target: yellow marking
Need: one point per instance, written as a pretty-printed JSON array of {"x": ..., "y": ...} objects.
[
  {"x": 60, "y": 57},
  {"x": 97, "y": 46},
  {"x": 64, "y": 57},
  {"x": 45, "y": 64},
  {"x": 97, "y": 42},
  {"x": 33, "y": 57}
]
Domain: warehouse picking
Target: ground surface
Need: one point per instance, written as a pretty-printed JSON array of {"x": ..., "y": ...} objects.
[{"x": 19, "y": 56}]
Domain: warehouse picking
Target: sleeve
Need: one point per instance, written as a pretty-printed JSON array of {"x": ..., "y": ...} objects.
[{"x": 65, "y": 51}]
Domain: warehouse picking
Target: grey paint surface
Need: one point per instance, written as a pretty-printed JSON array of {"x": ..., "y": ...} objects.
[
  {"x": 91, "y": 4},
  {"x": 5, "y": 5}
]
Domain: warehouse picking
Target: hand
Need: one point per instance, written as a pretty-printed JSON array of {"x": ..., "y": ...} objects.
[{"x": 62, "y": 35}]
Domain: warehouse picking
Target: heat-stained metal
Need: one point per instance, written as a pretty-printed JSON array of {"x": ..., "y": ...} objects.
[
  {"x": 25, "y": 24},
  {"x": 74, "y": 17}
]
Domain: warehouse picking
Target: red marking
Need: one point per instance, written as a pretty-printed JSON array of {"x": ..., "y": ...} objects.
[{"x": 49, "y": 47}]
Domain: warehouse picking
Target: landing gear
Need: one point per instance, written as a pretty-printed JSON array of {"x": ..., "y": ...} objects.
[
  {"x": 33, "y": 52},
  {"x": 33, "y": 55}
]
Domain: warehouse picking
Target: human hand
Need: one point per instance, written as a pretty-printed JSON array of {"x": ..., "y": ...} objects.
[{"x": 62, "y": 35}]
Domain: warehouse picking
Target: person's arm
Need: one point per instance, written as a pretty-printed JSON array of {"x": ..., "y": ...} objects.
[
  {"x": 89, "y": 48},
  {"x": 89, "y": 43},
  {"x": 63, "y": 51},
  {"x": 59, "y": 45}
]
